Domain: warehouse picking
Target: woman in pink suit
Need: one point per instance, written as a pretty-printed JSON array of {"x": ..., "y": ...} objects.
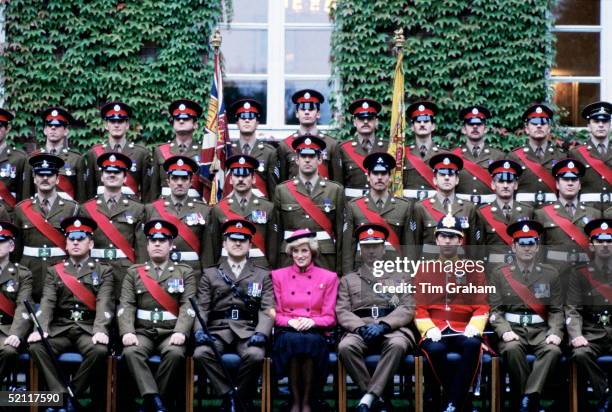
[{"x": 305, "y": 310}]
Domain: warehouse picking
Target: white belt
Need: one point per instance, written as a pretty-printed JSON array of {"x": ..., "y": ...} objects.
[
  {"x": 591, "y": 197},
  {"x": 165, "y": 191},
  {"x": 64, "y": 195},
  {"x": 418, "y": 194},
  {"x": 352, "y": 192},
  {"x": 531, "y": 197},
  {"x": 481, "y": 198},
  {"x": 184, "y": 256},
  {"x": 108, "y": 254},
  {"x": 154, "y": 315},
  {"x": 43, "y": 251},
  {"x": 253, "y": 252},
  {"x": 323, "y": 235},
  {"x": 499, "y": 258},
  {"x": 124, "y": 189},
  {"x": 429, "y": 248},
  {"x": 567, "y": 256},
  {"x": 524, "y": 319}
]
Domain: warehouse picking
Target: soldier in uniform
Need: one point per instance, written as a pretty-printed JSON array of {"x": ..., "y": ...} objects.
[
  {"x": 494, "y": 218},
  {"x": 247, "y": 113},
  {"x": 116, "y": 116},
  {"x": 418, "y": 178},
  {"x": 563, "y": 220},
  {"x": 71, "y": 179},
  {"x": 237, "y": 301},
  {"x": 588, "y": 312},
  {"x": 242, "y": 203},
  {"x": 378, "y": 206},
  {"x": 373, "y": 321},
  {"x": 15, "y": 288},
  {"x": 477, "y": 155},
  {"x": 596, "y": 154},
  {"x": 428, "y": 212},
  {"x": 308, "y": 111},
  {"x": 527, "y": 315},
  {"x": 451, "y": 321},
  {"x": 538, "y": 156},
  {"x": 155, "y": 316},
  {"x": 13, "y": 163},
  {"x": 75, "y": 312},
  {"x": 119, "y": 239},
  {"x": 41, "y": 243},
  {"x": 189, "y": 215},
  {"x": 310, "y": 201},
  {"x": 184, "y": 115},
  {"x": 353, "y": 151}
]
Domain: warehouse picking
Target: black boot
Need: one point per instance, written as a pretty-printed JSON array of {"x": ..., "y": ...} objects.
[{"x": 155, "y": 404}]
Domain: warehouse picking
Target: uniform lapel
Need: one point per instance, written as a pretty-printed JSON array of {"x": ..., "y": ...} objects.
[
  {"x": 225, "y": 267},
  {"x": 56, "y": 207},
  {"x": 6, "y": 273}
]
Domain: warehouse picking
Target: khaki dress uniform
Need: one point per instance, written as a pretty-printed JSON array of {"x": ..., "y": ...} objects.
[
  {"x": 595, "y": 190},
  {"x": 71, "y": 175},
  {"x": 157, "y": 178},
  {"x": 13, "y": 164},
  {"x": 268, "y": 172},
  {"x": 415, "y": 185},
  {"x": 354, "y": 177},
  {"x": 286, "y": 157},
  {"x": 471, "y": 188}
]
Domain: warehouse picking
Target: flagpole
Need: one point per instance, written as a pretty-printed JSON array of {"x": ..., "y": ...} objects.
[
  {"x": 398, "y": 116},
  {"x": 215, "y": 42}
]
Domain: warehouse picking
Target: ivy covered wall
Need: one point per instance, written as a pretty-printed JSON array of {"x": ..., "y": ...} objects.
[{"x": 457, "y": 52}]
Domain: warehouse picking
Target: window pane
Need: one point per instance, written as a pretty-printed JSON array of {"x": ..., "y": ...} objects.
[
  {"x": 250, "y": 11},
  {"x": 577, "y": 54},
  {"x": 292, "y": 86},
  {"x": 245, "y": 51},
  {"x": 237, "y": 89},
  {"x": 571, "y": 99},
  {"x": 583, "y": 12},
  {"x": 307, "y": 11},
  {"x": 301, "y": 57}
]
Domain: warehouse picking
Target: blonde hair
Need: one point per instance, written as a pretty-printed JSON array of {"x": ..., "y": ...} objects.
[{"x": 312, "y": 242}]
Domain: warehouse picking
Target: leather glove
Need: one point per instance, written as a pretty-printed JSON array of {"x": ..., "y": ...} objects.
[
  {"x": 202, "y": 338},
  {"x": 258, "y": 339},
  {"x": 376, "y": 330},
  {"x": 362, "y": 331}
]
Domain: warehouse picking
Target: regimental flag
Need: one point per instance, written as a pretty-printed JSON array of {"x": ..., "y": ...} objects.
[
  {"x": 398, "y": 126},
  {"x": 215, "y": 145}
]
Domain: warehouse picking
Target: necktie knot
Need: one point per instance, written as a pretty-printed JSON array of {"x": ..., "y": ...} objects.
[
  {"x": 45, "y": 205},
  {"x": 178, "y": 206},
  {"x": 246, "y": 148},
  {"x": 243, "y": 203},
  {"x": 158, "y": 271},
  {"x": 182, "y": 148},
  {"x": 308, "y": 187},
  {"x": 379, "y": 203},
  {"x": 367, "y": 145},
  {"x": 526, "y": 273},
  {"x": 475, "y": 151},
  {"x": 117, "y": 148},
  {"x": 446, "y": 203},
  {"x": 570, "y": 208},
  {"x": 423, "y": 150},
  {"x": 601, "y": 148},
  {"x": 539, "y": 152}
]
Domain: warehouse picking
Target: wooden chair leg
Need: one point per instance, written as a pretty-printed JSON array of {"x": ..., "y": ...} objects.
[
  {"x": 495, "y": 385},
  {"x": 418, "y": 383},
  {"x": 115, "y": 385},
  {"x": 573, "y": 378},
  {"x": 265, "y": 384},
  {"x": 110, "y": 384},
  {"x": 269, "y": 385},
  {"x": 33, "y": 372},
  {"x": 341, "y": 387},
  {"x": 189, "y": 376}
]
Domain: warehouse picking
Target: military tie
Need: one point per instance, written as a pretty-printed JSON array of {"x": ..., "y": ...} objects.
[
  {"x": 182, "y": 148},
  {"x": 570, "y": 209},
  {"x": 539, "y": 153},
  {"x": 308, "y": 187},
  {"x": 423, "y": 150},
  {"x": 367, "y": 145},
  {"x": 158, "y": 271},
  {"x": 178, "y": 206},
  {"x": 78, "y": 267},
  {"x": 526, "y": 275},
  {"x": 507, "y": 211},
  {"x": 475, "y": 151},
  {"x": 379, "y": 203},
  {"x": 117, "y": 148},
  {"x": 53, "y": 151},
  {"x": 236, "y": 269},
  {"x": 246, "y": 148},
  {"x": 111, "y": 203},
  {"x": 44, "y": 204},
  {"x": 601, "y": 148},
  {"x": 243, "y": 203},
  {"x": 446, "y": 204}
]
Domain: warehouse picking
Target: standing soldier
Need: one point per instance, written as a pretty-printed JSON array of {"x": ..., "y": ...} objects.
[
  {"x": 118, "y": 237},
  {"x": 494, "y": 218},
  {"x": 373, "y": 320},
  {"x": 117, "y": 122},
  {"x": 477, "y": 155},
  {"x": 75, "y": 312},
  {"x": 42, "y": 243},
  {"x": 242, "y": 203},
  {"x": 538, "y": 155},
  {"x": 596, "y": 154},
  {"x": 155, "y": 317},
  {"x": 418, "y": 178},
  {"x": 15, "y": 288},
  {"x": 353, "y": 151},
  {"x": 378, "y": 206},
  {"x": 184, "y": 115},
  {"x": 527, "y": 315},
  {"x": 309, "y": 201},
  {"x": 588, "y": 310},
  {"x": 247, "y": 113},
  {"x": 236, "y": 299},
  {"x": 308, "y": 112},
  {"x": 13, "y": 163},
  {"x": 189, "y": 215}
]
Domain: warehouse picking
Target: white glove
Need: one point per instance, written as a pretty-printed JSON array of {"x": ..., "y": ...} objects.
[
  {"x": 435, "y": 334},
  {"x": 471, "y": 331}
]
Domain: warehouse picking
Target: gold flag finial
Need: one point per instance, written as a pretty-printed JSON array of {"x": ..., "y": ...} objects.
[
  {"x": 399, "y": 39},
  {"x": 215, "y": 39}
]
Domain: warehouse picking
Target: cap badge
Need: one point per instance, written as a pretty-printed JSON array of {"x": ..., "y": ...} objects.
[
  {"x": 306, "y": 95},
  {"x": 247, "y": 105},
  {"x": 182, "y": 106},
  {"x": 380, "y": 160},
  {"x": 604, "y": 226},
  {"x": 474, "y": 111},
  {"x": 308, "y": 141},
  {"x": 180, "y": 162},
  {"x": 571, "y": 165},
  {"x": 365, "y": 105},
  {"x": 448, "y": 221},
  {"x": 242, "y": 161},
  {"x": 158, "y": 226},
  {"x": 45, "y": 164},
  {"x": 112, "y": 158},
  {"x": 77, "y": 223},
  {"x": 525, "y": 228},
  {"x": 116, "y": 107},
  {"x": 0, "y": 227},
  {"x": 54, "y": 113},
  {"x": 538, "y": 109},
  {"x": 370, "y": 232},
  {"x": 421, "y": 108},
  {"x": 446, "y": 161},
  {"x": 238, "y": 225},
  {"x": 507, "y": 165}
]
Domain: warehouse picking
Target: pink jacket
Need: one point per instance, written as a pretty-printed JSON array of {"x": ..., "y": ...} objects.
[{"x": 310, "y": 294}]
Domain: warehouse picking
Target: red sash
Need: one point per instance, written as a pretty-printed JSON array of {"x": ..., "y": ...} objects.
[
  {"x": 312, "y": 209},
  {"x": 351, "y": 151},
  {"x": 568, "y": 227},
  {"x": 129, "y": 179},
  {"x": 6, "y": 195},
  {"x": 500, "y": 227},
  {"x": 7, "y": 306},
  {"x": 600, "y": 167},
  {"x": 43, "y": 226},
  {"x": 165, "y": 151},
  {"x": 258, "y": 239},
  {"x": 65, "y": 185},
  {"x": 111, "y": 232},
  {"x": 474, "y": 168},
  {"x": 261, "y": 184},
  {"x": 77, "y": 288},
  {"x": 159, "y": 294},
  {"x": 436, "y": 214},
  {"x": 373, "y": 217},
  {"x": 190, "y": 238},
  {"x": 423, "y": 169},
  {"x": 323, "y": 170},
  {"x": 603, "y": 289},
  {"x": 524, "y": 293},
  {"x": 537, "y": 169}
]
